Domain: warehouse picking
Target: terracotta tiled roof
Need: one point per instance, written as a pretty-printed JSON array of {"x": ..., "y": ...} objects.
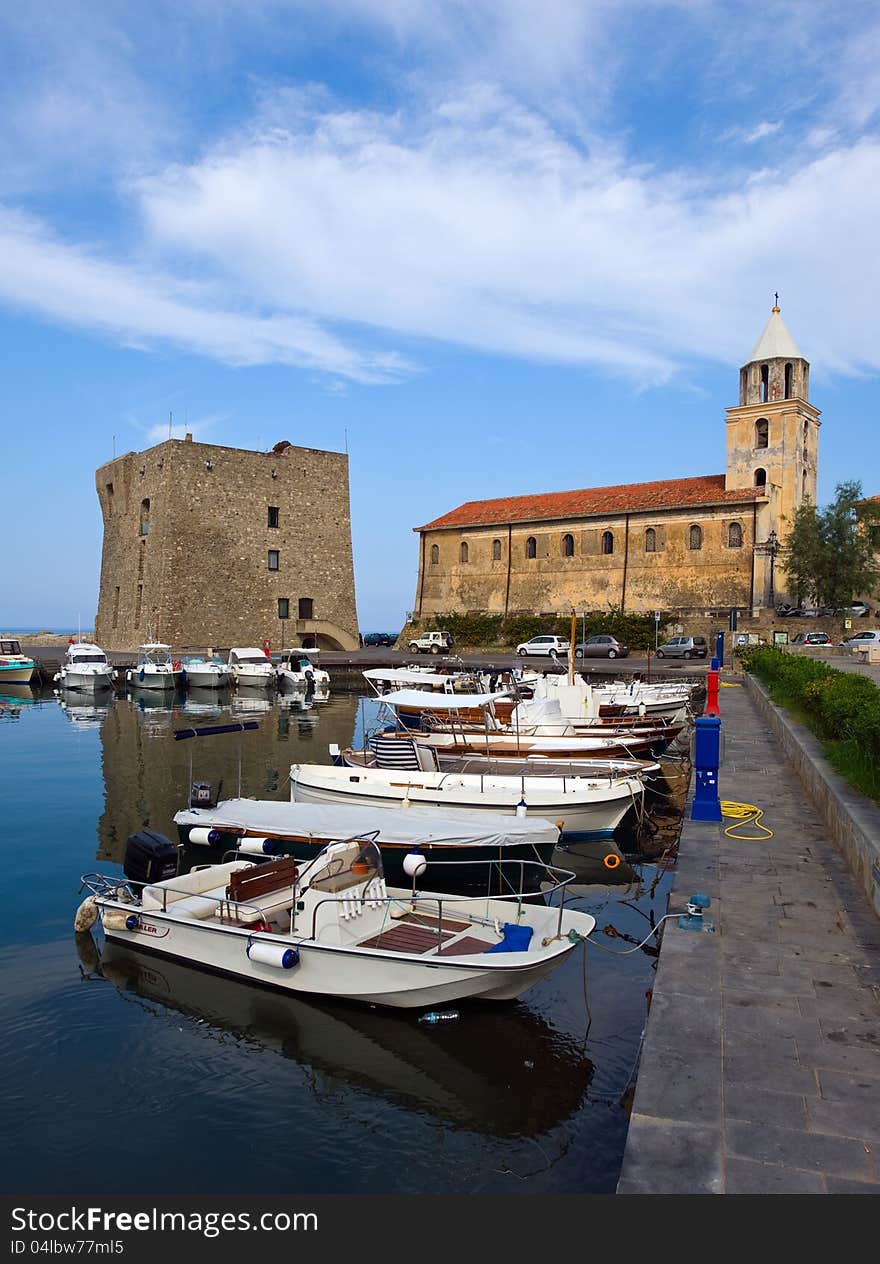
[{"x": 596, "y": 502}]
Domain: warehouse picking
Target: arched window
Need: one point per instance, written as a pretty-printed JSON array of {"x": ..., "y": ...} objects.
[
  {"x": 607, "y": 542},
  {"x": 788, "y": 380},
  {"x": 650, "y": 540},
  {"x": 695, "y": 538},
  {"x": 496, "y": 550},
  {"x": 531, "y": 547},
  {"x": 765, "y": 383},
  {"x": 568, "y": 546},
  {"x": 463, "y": 552},
  {"x": 760, "y": 478},
  {"x": 734, "y": 536},
  {"x": 435, "y": 554},
  {"x": 762, "y": 432}
]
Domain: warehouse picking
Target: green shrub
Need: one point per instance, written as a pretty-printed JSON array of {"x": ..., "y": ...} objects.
[{"x": 841, "y": 708}]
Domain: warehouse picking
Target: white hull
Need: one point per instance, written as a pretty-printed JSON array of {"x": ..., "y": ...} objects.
[
  {"x": 86, "y": 681},
  {"x": 254, "y": 678},
  {"x": 571, "y": 810},
  {"x": 152, "y": 679},
  {"x": 320, "y": 681},
  {"x": 370, "y": 975},
  {"x": 16, "y": 676},
  {"x": 204, "y": 678}
]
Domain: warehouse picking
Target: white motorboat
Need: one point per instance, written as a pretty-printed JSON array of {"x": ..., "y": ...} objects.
[
  {"x": 267, "y": 826},
  {"x": 330, "y": 926},
  {"x": 578, "y": 806},
  {"x": 85, "y": 668},
  {"x": 155, "y": 668},
  {"x": 385, "y": 680},
  {"x": 299, "y": 670},
  {"x": 205, "y": 672},
  {"x": 15, "y": 668},
  {"x": 251, "y": 667}
]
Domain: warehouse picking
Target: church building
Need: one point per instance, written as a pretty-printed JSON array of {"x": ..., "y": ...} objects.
[{"x": 688, "y": 545}]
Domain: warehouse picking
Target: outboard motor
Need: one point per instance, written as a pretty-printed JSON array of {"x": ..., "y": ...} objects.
[
  {"x": 149, "y": 857},
  {"x": 201, "y": 795}
]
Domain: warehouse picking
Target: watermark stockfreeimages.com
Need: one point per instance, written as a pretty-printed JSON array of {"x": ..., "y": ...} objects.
[{"x": 208, "y": 1223}]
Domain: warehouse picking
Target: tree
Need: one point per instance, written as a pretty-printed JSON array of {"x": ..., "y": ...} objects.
[{"x": 830, "y": 554}]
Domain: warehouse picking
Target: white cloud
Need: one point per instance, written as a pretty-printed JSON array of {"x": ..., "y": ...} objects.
[
  {"x": 144, "y": 308},
  {"x": 760, "y": 132}
]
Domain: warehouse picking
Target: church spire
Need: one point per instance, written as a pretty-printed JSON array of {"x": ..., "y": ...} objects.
[{"x": 775, "y": 342}]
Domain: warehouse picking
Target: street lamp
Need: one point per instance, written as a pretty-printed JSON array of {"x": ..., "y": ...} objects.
[{"x": 770, "y": 548}]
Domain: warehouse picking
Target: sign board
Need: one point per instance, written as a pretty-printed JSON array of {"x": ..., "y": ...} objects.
[
  {"x": 847, "y": 623},
  {"x": 780, "y": 638},
  {"x": 656, "y": 616}
]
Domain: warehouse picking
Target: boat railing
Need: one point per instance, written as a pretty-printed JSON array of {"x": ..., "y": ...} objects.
[
  {"x": 110, "y": 888},
  {"x": 565, "y": 876}
]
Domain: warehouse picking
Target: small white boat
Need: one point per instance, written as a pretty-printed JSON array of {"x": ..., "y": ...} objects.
[
  {"x": 299, "y": 670},
  {"x": 330, "y": 926},
  {"x": 85, "y": 668},
  {"x": 578, "y": 806},
  {"x": 385, "y": 680},
  {"x": 15, "y": 668},
  {"x": 155, "y": 669},
  {"x": 205, "y": 673},
  {"x": 251, "y": 667}
]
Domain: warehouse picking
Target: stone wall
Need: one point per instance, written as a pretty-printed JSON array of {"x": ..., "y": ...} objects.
[
  {"x": 499, "y": 576},
  {"x": 187, "y": 544}
]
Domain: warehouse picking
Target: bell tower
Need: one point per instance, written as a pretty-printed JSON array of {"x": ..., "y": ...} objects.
[{"x": 773, "y": 433}]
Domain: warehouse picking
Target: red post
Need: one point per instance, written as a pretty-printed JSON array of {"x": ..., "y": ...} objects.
[{"x": 712, "y": 692}]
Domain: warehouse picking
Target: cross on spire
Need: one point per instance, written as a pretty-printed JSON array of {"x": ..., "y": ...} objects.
[{"x": 776, "y": 301}]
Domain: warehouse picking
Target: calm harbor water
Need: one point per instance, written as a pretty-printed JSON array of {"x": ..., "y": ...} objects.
[{"x": 126, "y": 1074}]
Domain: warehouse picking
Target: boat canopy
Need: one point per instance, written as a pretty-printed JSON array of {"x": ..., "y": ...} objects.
[
  {"x": 81, "y": 650},
  {"x": 440, "y": 701},
  {"x": 248, "y": 655},
  {"x": 153, "y": 645},
  {"x": 413, "y": 675},
  {"x": 406, "y": 827}
]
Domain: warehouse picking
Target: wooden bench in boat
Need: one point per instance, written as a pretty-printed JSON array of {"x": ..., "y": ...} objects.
[
  {"x": 426, "y": 935},
  {"x": 266, "y": 889}
]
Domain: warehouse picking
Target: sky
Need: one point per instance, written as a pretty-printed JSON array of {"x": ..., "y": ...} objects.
[{"x": 490, "y": 247}]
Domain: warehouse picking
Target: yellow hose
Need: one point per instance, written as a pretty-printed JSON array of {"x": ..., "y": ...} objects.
[{"x": 745, "y": 814}]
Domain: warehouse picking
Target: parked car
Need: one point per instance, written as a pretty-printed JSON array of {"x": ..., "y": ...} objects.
[
  {"x": 862, "y": 639},
  {"x": 811, "y": 638},
  {"x": 601, "y": 647},
  {"x": 859, "y": 608},
  {"x": 683, "y": 647},
  {"x": 379, "y": 638},
  {"x": 555, "y": 646},
  {"x": 432, "y": 643}
]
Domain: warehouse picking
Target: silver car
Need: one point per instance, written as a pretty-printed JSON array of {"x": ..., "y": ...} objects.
[
  {"x": 601, "y": 647},
  {"x": 683, "y": 647}
]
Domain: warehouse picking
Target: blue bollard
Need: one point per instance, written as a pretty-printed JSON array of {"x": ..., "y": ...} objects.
[
  {"x": 719, "y": 648},
  {"x": 707, "y": 757}
]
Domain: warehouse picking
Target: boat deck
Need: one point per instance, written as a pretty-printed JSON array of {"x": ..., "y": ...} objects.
[{"x": 428, "y": 935}]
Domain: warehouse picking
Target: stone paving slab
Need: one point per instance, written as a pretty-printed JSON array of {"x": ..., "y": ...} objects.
[{"x": 760, "y": 1071}]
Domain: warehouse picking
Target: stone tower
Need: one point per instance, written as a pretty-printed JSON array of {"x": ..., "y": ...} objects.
[
  {"x": 773, "y": 439},
  {"x": 214, "y": 546}
]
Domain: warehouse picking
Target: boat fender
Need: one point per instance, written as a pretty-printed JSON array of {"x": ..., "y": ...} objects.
[
  {"x": 259, "y": 846},
  {"x": 611, "y": 861},
  {"x": 204, "y": 836},
  {"x": 116, "y": 919},
  {"x": 521, "y": 808},
  {"x": 414, "y": 864},
  {"x": 141, "y": 674},
  {"x": 175, "y": 666},
  {"x": 273, "y": 955},
  {"x": 86, "y": 914}
]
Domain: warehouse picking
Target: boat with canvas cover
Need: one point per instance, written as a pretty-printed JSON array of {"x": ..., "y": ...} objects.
[
  {"x": 85, "y": 668},
  {"x": 581, "y": 807},
  {"x": 267, "y": 826},
  {"x": 331, "y": 926},
  {"x": 205, "y": 671},
  {"x": 251, "y": 667}
]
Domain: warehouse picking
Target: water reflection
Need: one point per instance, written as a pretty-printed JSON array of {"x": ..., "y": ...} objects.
[
  {"x": 84, "y": 714},
  {"x": 534, "y": 1080}
]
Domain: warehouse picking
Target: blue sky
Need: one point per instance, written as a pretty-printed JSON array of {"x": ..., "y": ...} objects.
[{"x": 495, "y": 246}]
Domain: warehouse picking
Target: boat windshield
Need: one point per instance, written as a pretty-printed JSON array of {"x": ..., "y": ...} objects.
[
  {"x": 161, "y": 658},
  {"x": 10, "y": 647},
  {"x": 88, "y": 658},
  {"x": 251, "y": 658}
]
